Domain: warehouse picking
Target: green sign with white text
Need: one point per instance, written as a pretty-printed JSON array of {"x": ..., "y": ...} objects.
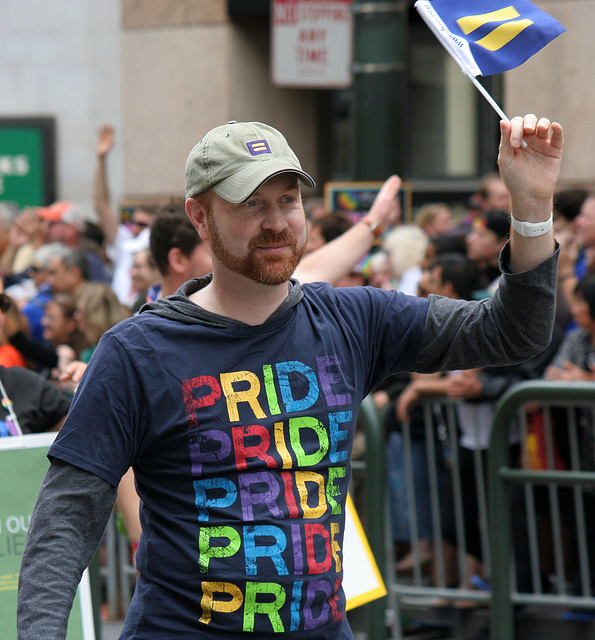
[
  {"x": 23, "y": 464},
  {"x": 26, "y": 161}
]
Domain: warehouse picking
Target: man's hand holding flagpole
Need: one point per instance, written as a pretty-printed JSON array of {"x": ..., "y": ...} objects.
[{"x": 530, "y": 176}]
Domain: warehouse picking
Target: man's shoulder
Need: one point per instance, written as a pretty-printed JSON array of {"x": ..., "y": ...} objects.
[
  {"x": 338, "y": 294},
  {"x": 359, "y": 301},
  {"x": 316, "y": 288},
  {"x": 324, "y": 289},
  {"x": 137, "y": 324},
  {"x": 324, "y": 293}
]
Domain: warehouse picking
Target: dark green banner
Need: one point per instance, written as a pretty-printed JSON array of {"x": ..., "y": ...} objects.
[
  {"x": 27, "y": 161},
  {"x": 23, "y": 464}
]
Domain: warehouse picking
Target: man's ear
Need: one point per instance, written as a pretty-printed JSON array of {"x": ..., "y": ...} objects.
[
  {"x": 176, "y": 260},
  {"x": 197, "y": 214}
]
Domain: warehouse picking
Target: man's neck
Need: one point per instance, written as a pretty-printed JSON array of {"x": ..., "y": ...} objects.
[{"x": 241, "y": 298}]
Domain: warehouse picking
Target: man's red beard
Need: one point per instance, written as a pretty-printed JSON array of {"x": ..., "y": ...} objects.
[{"x": 269, "y": 269}]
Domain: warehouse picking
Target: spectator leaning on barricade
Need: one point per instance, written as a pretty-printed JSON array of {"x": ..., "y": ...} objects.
[
  {"x": 476, "y": 390},
  {"x": 573, "y": 361},
  {"x": 455, "y": 276}
]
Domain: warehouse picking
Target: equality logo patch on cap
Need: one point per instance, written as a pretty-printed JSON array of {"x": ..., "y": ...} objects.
[{"x": 256, "y": 147}]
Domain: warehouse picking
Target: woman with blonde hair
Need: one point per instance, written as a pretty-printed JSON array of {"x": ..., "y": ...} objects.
[
  {"x": 98, "y": 309},
  {"x": 435, "y": 219},
  {"x": 406, "y": 246}
]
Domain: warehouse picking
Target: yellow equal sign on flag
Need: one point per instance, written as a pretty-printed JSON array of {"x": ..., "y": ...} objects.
[{"x": 502, "y": 34}]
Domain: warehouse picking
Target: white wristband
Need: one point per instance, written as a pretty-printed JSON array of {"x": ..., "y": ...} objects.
[{"x": 532, "y": 229}]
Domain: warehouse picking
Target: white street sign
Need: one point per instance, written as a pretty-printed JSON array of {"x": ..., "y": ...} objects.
[{"x": 311, "y": 43}]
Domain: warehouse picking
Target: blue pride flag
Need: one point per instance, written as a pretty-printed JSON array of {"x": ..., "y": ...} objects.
[{"x": 489, "y": 36}]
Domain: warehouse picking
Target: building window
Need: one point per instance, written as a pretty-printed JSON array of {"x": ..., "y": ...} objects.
[
  {"x": 443, "y": 115},
  {"x": 454, "y": 131}
]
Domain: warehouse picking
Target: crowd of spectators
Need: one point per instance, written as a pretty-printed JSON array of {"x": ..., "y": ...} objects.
[
  {"x": 456, "y": 254},
  {"x": 461, "y": 260}
]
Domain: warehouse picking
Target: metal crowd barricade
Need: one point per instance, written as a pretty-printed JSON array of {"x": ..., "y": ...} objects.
[
  {"x": 575, "y": 432},
  {"x": 546, "y": 565},
  {"x": 117, "y": 572},
  {"x": 109, "y": 567},
  {"x": 371, "y": 470},
  {"x": 420, "y": 589}
]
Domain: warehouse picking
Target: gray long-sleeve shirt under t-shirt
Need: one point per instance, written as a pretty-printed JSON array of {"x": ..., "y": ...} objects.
[{"x": 74, "y": 505}]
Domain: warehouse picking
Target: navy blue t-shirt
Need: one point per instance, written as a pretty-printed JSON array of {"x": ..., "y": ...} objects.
[{"x": 240, "y": 439}]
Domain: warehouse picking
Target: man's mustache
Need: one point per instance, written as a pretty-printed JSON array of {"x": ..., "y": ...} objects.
[{"x": 269, "y": 237}]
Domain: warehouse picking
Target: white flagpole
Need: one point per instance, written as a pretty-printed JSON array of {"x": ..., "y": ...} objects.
[{"x": 487, "y": 96}]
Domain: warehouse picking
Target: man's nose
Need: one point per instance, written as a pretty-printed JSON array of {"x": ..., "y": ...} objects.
[{"x": 274, "y": 219}]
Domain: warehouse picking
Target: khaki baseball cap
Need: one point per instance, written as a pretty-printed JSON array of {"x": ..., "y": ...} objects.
[{"x": 236, "y": 158}]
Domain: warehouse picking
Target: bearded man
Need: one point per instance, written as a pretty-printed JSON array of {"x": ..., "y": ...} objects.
[{"x": 235, "y": 401}]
